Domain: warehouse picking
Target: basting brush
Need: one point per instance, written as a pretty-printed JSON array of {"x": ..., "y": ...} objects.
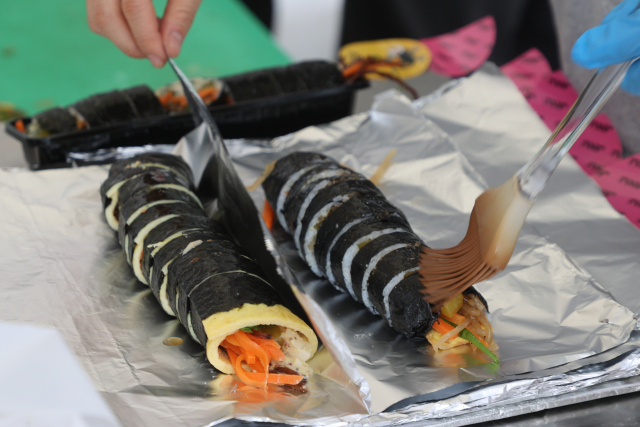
[{"x": 499, "y": 213}]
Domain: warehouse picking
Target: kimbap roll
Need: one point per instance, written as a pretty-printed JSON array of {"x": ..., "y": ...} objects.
[
  {"x": 200, "y": 275},
  {"x": 345, "y": 229}
]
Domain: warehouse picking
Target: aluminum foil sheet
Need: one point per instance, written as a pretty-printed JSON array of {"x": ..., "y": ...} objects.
[{"x": 556, "y": 309}]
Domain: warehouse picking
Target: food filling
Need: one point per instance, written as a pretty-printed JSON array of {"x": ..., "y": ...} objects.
[
  {"x": 262, "y": 355},
  {"x": 463, "y": 321}
]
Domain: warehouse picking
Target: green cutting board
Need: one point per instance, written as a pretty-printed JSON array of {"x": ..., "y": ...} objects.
[{"x": 49, "y": 56}]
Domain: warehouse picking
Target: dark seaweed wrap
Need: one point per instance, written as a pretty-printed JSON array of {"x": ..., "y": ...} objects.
[
  {"x": 396, "y": 262},
  {"x": 313, "y": 175},
  {"x": 156, "y": 196},
  {"x": 169, "y": 228},
  {"x": 360, "y": 208},
  {"x": 364, "y": 256},
  {"x": 253, "y": 85},
  {"x": 318, "y": 74},
  {"x": 145, "y": 180},
  {"x": 144, "y": 101},
  {"x": 288, "y": 80},
  {"x": 56, "y": 120},
  {"x": 295, "y": 200},
  {"x": 149, "y": 162},
  {"x": 225, "y": 292},
  {"x": 105, "y": 109},
  {"x": 352, "y": 235},
  {"x": 127, "y": 233},
  {"x": 212, "y": 257},
  {"x": 409, "y": 313},
  {"x": 162, "y": 160},
  {"x": 345, "y": 187},
  {"x": 286, "y": 167},
  {"x": 171, "y": 251}
]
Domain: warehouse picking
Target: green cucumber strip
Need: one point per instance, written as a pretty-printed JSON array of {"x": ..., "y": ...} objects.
[
  {"x": 248, "y": 329},
  {"x": 467, "y": 335}
]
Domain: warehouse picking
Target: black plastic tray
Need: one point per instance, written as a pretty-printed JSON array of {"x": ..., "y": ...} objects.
[{"x": 261, "y": 118}]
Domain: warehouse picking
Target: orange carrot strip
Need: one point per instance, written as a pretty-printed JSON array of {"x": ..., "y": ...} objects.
[
  {"x": 208, "y": 94},
  {"x": 257, "y": 367},
  {"x": 264, "y": 341},
  {"x": 19, "y": 124},
  {"x": 165, "y": 98},
  {"x": 276, "y": 378},
  {"x": 276, "y": 353},
  {"x": 232, "y": 357},
  {"x": 246, "y": 343},
  {"x": 231, "y": 339},
  {"x": 268, "y": 214},
  {"x": 250, "y": 357},
  {"x": 456, "y": 318},
  {"x": 443, "y": 328},
  {"x": 226, "y": 344},
  {"x": 244, "y": 375},
  {"x": 459, "y": 319}
]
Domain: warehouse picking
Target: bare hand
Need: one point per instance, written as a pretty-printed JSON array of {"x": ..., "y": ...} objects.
[{"x": 132, "y": 25}]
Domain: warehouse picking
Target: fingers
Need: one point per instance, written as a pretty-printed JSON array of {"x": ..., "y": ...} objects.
[
  {"x": 143, "y": 23},
  {"x": 610, "y": 43},
  {"x": 105, "y": 18},
  {"x": 176, "y": 21}
]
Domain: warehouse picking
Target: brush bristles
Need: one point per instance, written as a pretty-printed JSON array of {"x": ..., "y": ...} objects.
[{"x": 445, "y": 273}]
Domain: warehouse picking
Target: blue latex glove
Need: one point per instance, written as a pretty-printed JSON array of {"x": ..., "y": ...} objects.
[{"x": 616, "y": 40}]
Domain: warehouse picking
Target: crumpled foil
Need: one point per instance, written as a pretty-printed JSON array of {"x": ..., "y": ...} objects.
[{"x": 556, "y": 308}]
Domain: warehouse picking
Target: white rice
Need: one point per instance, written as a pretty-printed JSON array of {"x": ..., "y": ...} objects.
[
  {"x": 284, "y": 192},
  {"x": 312, "y": 231},
  {"x": 387, "y": 290},
  {"x": 303, "y": 209},
  {"x": 191, "y": 246},
  {"x": 330, "y": 275},
  {"x": 113, "y": 194},
  {"x": 139, "y": 241},
  {"x": 372, "y": 265},
  {"x": 143, "y": 209},
  {"x": 179, "y": 187},
  {"x": 164, "y": 300},
  {"x": 352, "y": 251}
]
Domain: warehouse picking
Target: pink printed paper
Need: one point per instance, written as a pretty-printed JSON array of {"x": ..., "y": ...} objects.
[
  {"x": 527, "y": 70},
  {"x": 460, "y": 52}
]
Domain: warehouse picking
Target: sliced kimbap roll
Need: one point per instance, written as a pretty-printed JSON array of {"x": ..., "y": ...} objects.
[
  {"x": 200, "y": 275},
  {"x": 132, "y": 234},
  {"x": 51, "y": 122},
  {"x": 374, "y": 248},
  {"x": 163, "y": 255},
  {"x": 285, "y": 173},
  {"x": 169, "y": 230},
  {"x": 346, "y": 229},
  {"x": 367, "y": 209},
  {"x": 156, "y": 163},
  {"x": 144, "y": 101},
  {"x": 323, "y": 204},
  {"x": 103, "y": 109}
]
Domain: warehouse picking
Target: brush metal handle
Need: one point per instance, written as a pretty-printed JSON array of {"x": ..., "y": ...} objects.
[{"x": 534, "y": 175}]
